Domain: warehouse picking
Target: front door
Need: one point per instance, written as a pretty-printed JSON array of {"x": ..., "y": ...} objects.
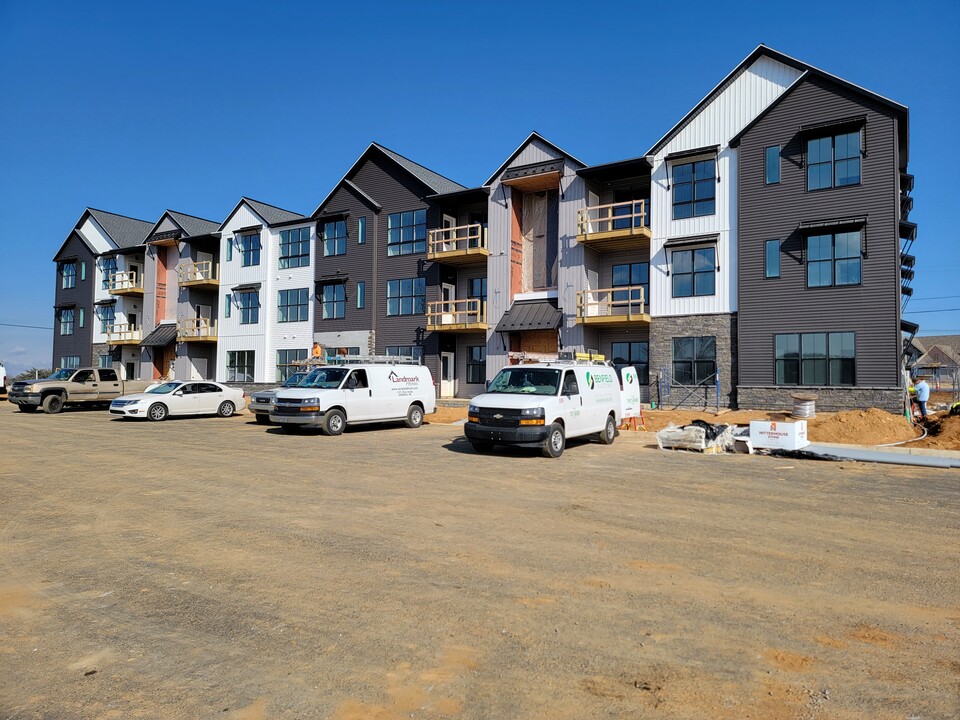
[
  {"x": 198, "y": 368},
  {"x": 204, "y": 313},
  {"x": 447, "y": 382},
  {"x": 450, "y": 242},
  {"x": 448, "y": 293},
  {"x": 204, "y": 268}
]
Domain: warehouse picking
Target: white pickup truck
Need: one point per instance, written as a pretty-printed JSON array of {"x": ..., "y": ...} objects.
[{"x": 82, "y": 386}]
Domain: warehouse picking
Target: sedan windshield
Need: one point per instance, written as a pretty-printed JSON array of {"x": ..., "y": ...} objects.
[
  {"x": 63, "y": 374},
  {"x": 164, "y": 389},
  {"x": 533, "y": 381},
  {"x": 324, "y": 378}
]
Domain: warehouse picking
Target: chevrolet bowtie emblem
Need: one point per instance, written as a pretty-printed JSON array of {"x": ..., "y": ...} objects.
[{"x": 498, "y": 416}]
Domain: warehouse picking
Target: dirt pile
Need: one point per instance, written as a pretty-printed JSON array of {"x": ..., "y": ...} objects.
[
  {"x": 948, "y": 437},
  {"x": 447, "y": 415}
]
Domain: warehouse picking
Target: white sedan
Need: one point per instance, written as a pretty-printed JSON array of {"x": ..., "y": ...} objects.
[{"x": 180, "y": 398}]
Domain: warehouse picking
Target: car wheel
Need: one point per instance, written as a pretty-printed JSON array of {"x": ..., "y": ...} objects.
[
  {"x": 52, "y": 404},
  {"x": 481, "y": 446},
  {"x": 609, "y": 432},
  {"x": 27, "y": 408},
  {"x": 334, "y": 422},
  {"x": 157, "y": 412},
  {"x": 226, "y": 409},
  {"x": 263, "y": 419},
  {"x": 414, "y": 416},
  {"x": 555, "y": 442}
]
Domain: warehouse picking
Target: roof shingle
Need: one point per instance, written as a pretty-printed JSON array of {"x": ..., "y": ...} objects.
[{"x": 125, "y": 231}]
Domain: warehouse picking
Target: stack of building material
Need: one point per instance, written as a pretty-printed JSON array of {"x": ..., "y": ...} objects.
[{"x": 703, "y": 437}]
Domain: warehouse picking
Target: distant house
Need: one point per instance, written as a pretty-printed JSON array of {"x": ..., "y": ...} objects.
[{"x": 940, "y": 356}]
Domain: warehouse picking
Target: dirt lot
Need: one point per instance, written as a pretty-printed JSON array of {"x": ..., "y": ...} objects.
[{"x": 205, "y": 568}]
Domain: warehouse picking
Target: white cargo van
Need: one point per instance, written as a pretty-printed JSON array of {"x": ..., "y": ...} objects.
[
  {"x": 542, "y": 404},
  {"x": 360, "y": 390}
]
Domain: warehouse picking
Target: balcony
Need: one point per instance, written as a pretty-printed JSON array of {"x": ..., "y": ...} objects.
[
  {"x": 461, "y": 245},
  {"x": 618, "y": 226},
  {"x": 198, "y": 274},
  {"x": 462, "y": 316},
  {"x": 197, "y": 330},
  {"x": 127, "y": 282},
  {"x": 613, "y": 307},
  {"x": 124, "y": 334}
]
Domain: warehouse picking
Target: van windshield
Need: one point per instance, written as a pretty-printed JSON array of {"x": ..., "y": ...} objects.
[
  {"x": 532, "y": 381},
  {"x": 324, "y": 378}
]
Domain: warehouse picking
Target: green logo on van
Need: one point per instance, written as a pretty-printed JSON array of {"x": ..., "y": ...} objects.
[{"x": 590, "y": 379}]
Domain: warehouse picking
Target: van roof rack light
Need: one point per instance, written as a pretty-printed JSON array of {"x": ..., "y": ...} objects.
[{"x": 359, "y": 360}]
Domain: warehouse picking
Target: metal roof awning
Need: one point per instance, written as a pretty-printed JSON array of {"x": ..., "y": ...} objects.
[
  {"x": 710, "y": 239},
  {"x": 838, "y": 124},
  {"x": 835, "y": 222},
  {"x": 909, "y": 327},
  {"x": 108, "y": 301},
  {"x": 161, "y": 336},
  {"x": 531, "y": 315},
  {"x": 246, "y": 287},
  {"x": 534, "y": 177},
  {"x": 908, "y": 230},
  {"x": 706, "y": 150}
]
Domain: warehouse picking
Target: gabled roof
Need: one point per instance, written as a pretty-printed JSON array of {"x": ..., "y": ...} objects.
[
  {"x": 928, "y": 341},
  {"x": 271, "y": 214},
  {"x": 191, "y": 225},
  {"x": 530, "y": 138},
  {"x": 353, "y": 187},
  {"x": 939, "y": 355},
  {"x": 434, "y": 181},
  {"x": 125, "y": 231},
  {"x": 764, "y": 51}
]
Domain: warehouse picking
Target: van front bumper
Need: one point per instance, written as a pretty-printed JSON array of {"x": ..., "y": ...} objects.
[
  {"x": 532, "y": 435},
  {"x": 307, "y": 419},
  {"x": 24, "y": 398}
]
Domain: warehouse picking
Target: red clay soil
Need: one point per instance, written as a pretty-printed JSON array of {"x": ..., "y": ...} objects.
[{"x": 949, "y": 436}]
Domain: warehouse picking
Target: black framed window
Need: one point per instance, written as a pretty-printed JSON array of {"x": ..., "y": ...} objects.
[
  {"x": 333, "y": 301},
  {"x": 833, "y": 259},
  {"x": 70, "y": 362},
  {"x": 69, "y": 273},
  {"x": 636, "y": 353},
  {"x": 81, "y": 317},
  {"x": 107, "y": 314},
  {"x": 693, "y": 272},
  {"x": 227, "y": 304},
  {"x": 407, "y": 232},
  {"x": 293, "y": 305},
  {"x": 361, "y": 295},
  {"x": 295, "y": 248},
  {"x": 335, "y": 238},
  {"x": 771, "y": 165},
  {"x": 406, "y": 297},
  {"x": 109, "y": 268},
  {"x": 477, "y": 288},
  {"x": 361, "y": 231},
  {"x": 631, "y": 275},
  {"x": 771, "y": 259},
  {"x": 104, "y": 361},
  {"x": 66, "y": 321},
  {"x": 249, "y": 302},
  {"x": 694, "y": 360},
  {"x": 477, "y": 364},
  {"x": 285, "y": 360},
  {"x": 240, "y": 365},
  {"x": 250, "y": 250},
  {"x": 816, "y": 358},
  {"x": 405, "y": 350},
  {"x": 833, "y": 161},
  {"x": 694, "y": 189}
]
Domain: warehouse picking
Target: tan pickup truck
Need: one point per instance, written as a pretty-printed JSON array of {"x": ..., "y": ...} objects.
[{"x": 83, "y": 386}]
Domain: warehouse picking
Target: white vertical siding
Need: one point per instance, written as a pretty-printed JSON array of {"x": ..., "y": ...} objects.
[
  {"x": 288, "y": 335},
  {"x": 231, "y": 334},
  {"x": 716, "y": 123}
]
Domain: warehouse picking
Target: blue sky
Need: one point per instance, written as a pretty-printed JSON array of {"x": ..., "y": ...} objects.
[{"x": 138, "y": 107}]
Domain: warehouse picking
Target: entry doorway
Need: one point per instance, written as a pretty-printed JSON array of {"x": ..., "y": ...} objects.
[
  {"x": 198, "y": 368},
  {"x": 448, "y": 293},
  {"x": 448, "y": 386}
]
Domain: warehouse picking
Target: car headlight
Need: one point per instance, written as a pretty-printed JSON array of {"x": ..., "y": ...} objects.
[
  {"x": 532, "y": 412},
  {"x": 310, "y": 401},
  {"x": 30, "y": 389},
  {"x": 473, "y": 410}
]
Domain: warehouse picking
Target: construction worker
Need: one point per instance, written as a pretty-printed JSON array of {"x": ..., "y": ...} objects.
[
  {"x": 923, "y": 394},
  {"x": 317, "y": 351}
]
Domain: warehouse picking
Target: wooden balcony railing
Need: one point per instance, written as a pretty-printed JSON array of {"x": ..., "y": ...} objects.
[
  {"x": 464, "y": 243},
  {"x": 123, "y": 334},
  {"x": 617, "y": 225},
  {"x": 612, "y": 306},
  {"x": 196, "y": 329},
  {"x": 124, "y": 282},
  {"x": 198, "y": 273},
  {"x": 457, "y": 315}
]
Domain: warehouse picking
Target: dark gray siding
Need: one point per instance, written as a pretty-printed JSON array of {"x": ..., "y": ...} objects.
[
  {"x": 768, "y": 212},
  {"x": 81, "y": 341}
]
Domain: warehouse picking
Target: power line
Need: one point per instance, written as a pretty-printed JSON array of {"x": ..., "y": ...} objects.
[
  {"x": 33, "y": 327},
  {"x": 917, "y": 312},
  {"x": 942, "y": 297}
]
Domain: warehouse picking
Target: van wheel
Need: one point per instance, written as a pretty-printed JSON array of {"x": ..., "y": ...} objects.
[
  {"x": 609, "y": 432},
  {"x": 52, "y": 404},
  {"x": 481, "y": 446},
  {"x": 263, "y": 419},
  {"x": 27, "y": 408},
  {"x": 555, "y": 442},
  {"x": 334, "y": 422},
  {"x": 414, "y": 416},
  {"x": 157, "y": 412},
  {"x": 226, "y": 409}
]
